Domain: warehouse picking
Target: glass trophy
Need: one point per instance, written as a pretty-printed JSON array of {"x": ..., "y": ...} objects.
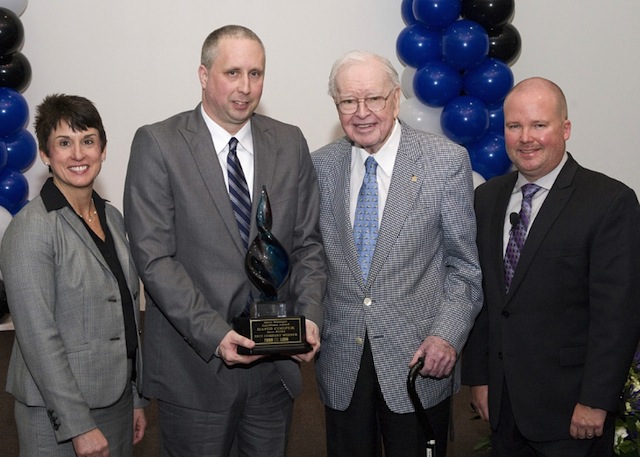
[{"x": 267, "y": 266}]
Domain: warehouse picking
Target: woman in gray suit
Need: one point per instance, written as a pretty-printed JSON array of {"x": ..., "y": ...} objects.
[{"x": 73, "y": 294}]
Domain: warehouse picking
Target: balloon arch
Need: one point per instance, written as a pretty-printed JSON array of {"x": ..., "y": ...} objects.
[
  {"x": 457, "y": 55},
  {"x": 17, "y": 146},
  {"x": 456, "y": 52}
]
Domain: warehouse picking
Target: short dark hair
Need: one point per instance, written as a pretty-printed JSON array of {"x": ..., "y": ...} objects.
[
  {"x": 210, "y": 45},
  {"x": 79, "y": 112}
]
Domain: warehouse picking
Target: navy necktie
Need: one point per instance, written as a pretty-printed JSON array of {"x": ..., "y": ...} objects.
[
  {"x": 365, "y": 227},
  {"x": 239, "y": 192},
  {"x": 518, "y": 233}
]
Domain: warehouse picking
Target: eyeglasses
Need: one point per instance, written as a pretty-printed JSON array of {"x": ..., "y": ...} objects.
[{"x": 375, "y": 104}]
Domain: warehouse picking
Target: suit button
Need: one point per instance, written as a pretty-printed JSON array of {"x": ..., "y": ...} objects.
[
  {"x": 367, "y": 301},
  {"x": 506, "y": 314},
  {"x": 359, "y": 341}
]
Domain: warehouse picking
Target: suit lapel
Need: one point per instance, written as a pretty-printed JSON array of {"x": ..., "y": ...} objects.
[
  {"x": 265, "y": 157},
  {"x": 83, "y": 234},
  {"x": 341, "y": 207},
  {"x": 553, "y": 205},
  {"x": 407, "y": 179},
  {"x": 496, "y": 237},
  {"x": 204, "y": 154}
]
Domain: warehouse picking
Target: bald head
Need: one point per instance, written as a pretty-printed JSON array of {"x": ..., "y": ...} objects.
[
  {"x": 545, "y": 88},
  {"x": 536, "y": 127}
]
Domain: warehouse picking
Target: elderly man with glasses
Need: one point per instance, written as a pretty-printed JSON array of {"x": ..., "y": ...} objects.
[{"x": 399, "y": 231}]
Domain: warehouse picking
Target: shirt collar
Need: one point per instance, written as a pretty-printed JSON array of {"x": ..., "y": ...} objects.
[
  {"x": 55, "y": 200},
  {"x": 546, "y": 182},
  {"x": 221, "y": 137},
  {"x": 386, "y": 155}
]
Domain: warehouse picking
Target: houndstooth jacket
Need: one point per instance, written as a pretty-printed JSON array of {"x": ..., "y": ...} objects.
[{"x": 424, "y": 278}]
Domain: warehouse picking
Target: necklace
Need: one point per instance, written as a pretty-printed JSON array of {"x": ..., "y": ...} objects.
[{"x": 91, "y": 213}]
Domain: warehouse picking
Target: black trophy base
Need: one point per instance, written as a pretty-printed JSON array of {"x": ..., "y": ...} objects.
[{"x": 273, "y": 335}]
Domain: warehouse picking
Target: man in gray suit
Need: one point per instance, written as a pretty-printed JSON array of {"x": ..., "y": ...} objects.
[
  {"x": 418, "y": 293},
  {"x": 187, "y": 245}
]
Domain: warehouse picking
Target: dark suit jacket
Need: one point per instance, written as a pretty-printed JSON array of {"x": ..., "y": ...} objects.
[
  {"x": 567, "y": 330},
  {"x": 185, "y": 241}
]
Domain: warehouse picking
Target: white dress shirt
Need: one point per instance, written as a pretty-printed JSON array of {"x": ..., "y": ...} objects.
[
  {"x": 244, "y": 149},
  {"x": 386, "y": 158}
]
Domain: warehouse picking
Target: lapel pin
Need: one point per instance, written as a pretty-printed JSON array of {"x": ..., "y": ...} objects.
[{"x": 414, "y": 178}]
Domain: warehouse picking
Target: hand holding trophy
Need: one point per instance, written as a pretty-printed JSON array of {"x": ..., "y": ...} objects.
[{"x": 267, "y": 266}]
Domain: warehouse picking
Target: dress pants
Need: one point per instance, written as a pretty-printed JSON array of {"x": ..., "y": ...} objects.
[
  {"x": 257, "y": 425},
  {"x": 368, "y": 424},
  {"x": 507, "y": 441}
]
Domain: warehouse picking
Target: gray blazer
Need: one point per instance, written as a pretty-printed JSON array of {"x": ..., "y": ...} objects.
[
  {"x": 424, "y": 277},
  {"x": 187, "y": 247},
  {"x": 69, "y": 354}
]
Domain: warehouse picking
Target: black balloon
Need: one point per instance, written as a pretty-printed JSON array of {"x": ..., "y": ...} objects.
[
  {"x": 505, "y": 44},
  {"x": 11, "y": 32},
  {"x": 15, "y": 71},
  {"x": 488, "y": 13}
]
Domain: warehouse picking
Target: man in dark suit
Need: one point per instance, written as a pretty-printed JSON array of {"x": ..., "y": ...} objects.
[
  {"x": 551, "y": 349},
  {"x": 187, "y": 244},
  {"x": 418, "y": 294}
]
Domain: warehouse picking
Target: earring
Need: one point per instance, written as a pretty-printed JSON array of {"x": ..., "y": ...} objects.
[{"x": 46, "y": 164}]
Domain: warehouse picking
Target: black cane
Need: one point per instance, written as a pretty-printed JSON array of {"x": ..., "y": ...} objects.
[{"x": 423, "y": 420}]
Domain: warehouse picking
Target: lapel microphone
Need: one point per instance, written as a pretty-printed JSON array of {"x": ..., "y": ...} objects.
[{"x": 514, "y": 218}]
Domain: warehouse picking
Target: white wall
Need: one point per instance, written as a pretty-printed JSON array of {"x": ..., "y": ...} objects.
[{"x": 137, "y": 60}]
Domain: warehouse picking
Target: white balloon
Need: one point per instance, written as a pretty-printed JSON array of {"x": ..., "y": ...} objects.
[
  {"x": 406, "y": 81},
  {"x": 477, "y": 179},
  {"x": 17, "y": 6},
  {"x": 420, "y": 116},
  {"x": 5, "y": 218}
]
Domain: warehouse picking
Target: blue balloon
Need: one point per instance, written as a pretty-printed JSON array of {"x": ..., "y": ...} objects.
[
  {"x": 19, "y": 206},
  {"x": 465, "y": 44},
  {"x": 496, "y": 118},
  {"x": 488, "y": 155},
  {"x": 14, "y": 190},
  {"x": 491, "y": 81},
  {"x": 437, "y": 83},
  {"x": 416, "y": 45},
  {"x": 465, "y": 119},
  {"x": 406, "y": 10},
  {"x": 14, "y": 111},
  {"x": 4, "y": 155},
  {"x": 436, "y": 14},
  {"x": 21, "y": 149}
]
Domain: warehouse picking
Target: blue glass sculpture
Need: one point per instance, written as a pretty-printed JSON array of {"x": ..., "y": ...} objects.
[{"x": 266, "y": 262}]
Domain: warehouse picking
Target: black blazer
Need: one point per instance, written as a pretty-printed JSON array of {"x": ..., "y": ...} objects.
[{"x": 567, "y": 330}]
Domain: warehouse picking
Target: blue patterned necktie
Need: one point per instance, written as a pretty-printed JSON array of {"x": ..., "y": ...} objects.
[
  {"x": 365, "y": 228},
  {"x": 518, "y": 234},
  {"x": 239, "y": 192}
]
